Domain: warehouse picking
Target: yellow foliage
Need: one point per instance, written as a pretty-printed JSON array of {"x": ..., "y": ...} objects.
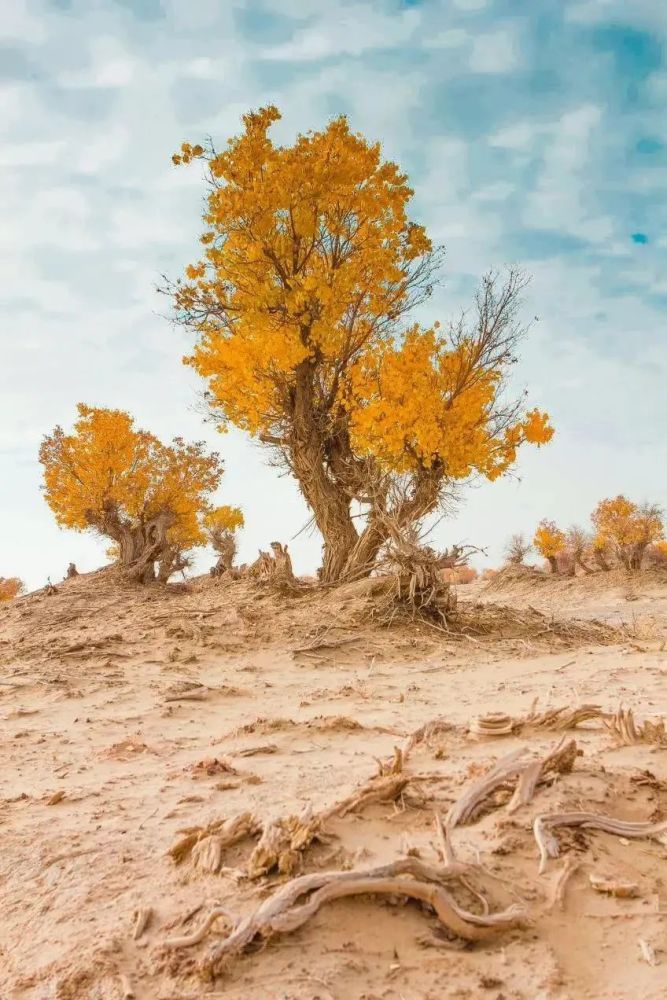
[
  {"x": 307, "y": 261},
  {"x": 549, "y": 540},
  {"x": 107, "y": 461},
  {"x": 423, "y": 403},
  {"x": 223, "y": 519},
  {"x": 621, "y": 522},
  {"x": 10, "y": 587}
]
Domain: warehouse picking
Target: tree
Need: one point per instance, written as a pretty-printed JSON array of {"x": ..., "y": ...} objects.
[
  {"x": 148, "y": 497},
  {"x": 627, "y": 528},
  {"x": 516, "y": 550},
  {"x": 220, "y": 525},
  {"x": 578, "y": 545},
  {"x": 298, "y": 304},
  {"x": 10, "y": 587},
  {"x": 550, "y": 542}
]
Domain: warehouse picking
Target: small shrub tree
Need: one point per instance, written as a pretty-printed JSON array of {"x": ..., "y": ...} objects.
[
  {"x": 147, "y": 497},
  {"x": 516, "y": 550},
  {"x": 627, "y": 529},
  {"x": 10, "y": 587},
  {"x": 550, "y": 542}
]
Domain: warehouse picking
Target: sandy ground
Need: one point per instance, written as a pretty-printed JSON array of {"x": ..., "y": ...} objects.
[{"x": 99, "y": 773}]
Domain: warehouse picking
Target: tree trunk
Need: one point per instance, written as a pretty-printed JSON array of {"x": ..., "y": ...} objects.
[
  {"x": 141, "y": 544},
  {"x": 326, "y": 498},
  {"x": 601, "y": 561},
  {"x": 553, "y": 562}
]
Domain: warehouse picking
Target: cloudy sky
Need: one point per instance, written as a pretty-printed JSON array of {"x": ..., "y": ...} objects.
[{"x": 534, "y": 131}]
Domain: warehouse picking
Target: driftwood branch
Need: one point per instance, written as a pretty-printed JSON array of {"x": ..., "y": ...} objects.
[
  {"x": 548, "y": 844},
  {"x": 295, "y": 903}
]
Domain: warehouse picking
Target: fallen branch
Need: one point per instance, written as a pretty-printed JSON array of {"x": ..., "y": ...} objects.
[
  {"x": 548, "y": 845},
  {"x": 284, "y": 912},
  {"x": 514, "y": 766}
]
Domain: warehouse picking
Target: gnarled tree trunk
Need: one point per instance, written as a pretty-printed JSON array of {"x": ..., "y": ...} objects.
[
  {"x": 331, "y": 478},
  {"x": 141, "y": 544}
]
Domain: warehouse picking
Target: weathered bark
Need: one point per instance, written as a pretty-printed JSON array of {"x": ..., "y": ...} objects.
[
  {"x": 331, "y": 477},
  {"x": 601, "y": 561},
  {"x": 141, "y": 543},
  {"x": 553, "y": 562},
  {"x": 325, "y": 496},
  {"x": 224, "y": 543}
]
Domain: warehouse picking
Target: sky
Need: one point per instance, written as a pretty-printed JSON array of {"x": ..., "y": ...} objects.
[{"x": 533, "y": 133}]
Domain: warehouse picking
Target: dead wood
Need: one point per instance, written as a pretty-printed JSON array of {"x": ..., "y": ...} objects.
[
  {"x": 205, "y": 844},
  {"x": 285, "y": 910},
  {"x": 613, "y": 886},
  {"x": 569, "y": 868},
  {"x": 142, "y": 919},
  {"x": 553, "y": 720},
  {"x": 513, "y": 767},
  {"x": 548, "y": 844},
  {"x": 626, "y": 731}
]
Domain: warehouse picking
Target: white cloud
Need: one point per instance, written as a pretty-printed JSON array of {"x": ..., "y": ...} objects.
[
  {"x": 495, "y": 52},
  {"x": 109, "y": 66},
  {"x": 350, "y": 30},
  {"x": 452, "y": 38}
]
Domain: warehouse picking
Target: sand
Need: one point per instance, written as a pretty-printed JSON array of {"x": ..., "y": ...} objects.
[{"x": 294, "y": 702}]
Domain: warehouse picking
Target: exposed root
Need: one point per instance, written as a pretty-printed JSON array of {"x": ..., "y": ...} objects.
[
  {"x": 548, "y": 845},
  {"x": 283, "y": 840},
  {"x": 507, "y": 770},
  {"x": 285, "y": 910}
]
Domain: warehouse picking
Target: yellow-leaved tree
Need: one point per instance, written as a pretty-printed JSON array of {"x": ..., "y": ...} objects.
[
  {"x": 10, "y": 587},
  {"x": 550, "y": 542},
  {"x": 151, "y": 499},
  {"x": 309, "y": 266},
  {"x": 627, "y": 529}
]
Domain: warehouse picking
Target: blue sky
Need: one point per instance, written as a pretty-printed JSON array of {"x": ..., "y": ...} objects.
[{"x": 533, "y": 132}]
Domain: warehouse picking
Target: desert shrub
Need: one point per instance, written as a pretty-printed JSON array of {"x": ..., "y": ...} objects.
[
  {"x": 516, "y": 550},
  {"x": 10, "y": 587},
  {"x": 550, "y": 542}
]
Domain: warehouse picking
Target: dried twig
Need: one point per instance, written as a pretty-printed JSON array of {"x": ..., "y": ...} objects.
[
  {"x": 569, "y": 868},
  {"x": 142, "y": 919}
]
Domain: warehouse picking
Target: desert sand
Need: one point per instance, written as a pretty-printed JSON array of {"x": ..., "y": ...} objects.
[{"x": 296, "y": 701}]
